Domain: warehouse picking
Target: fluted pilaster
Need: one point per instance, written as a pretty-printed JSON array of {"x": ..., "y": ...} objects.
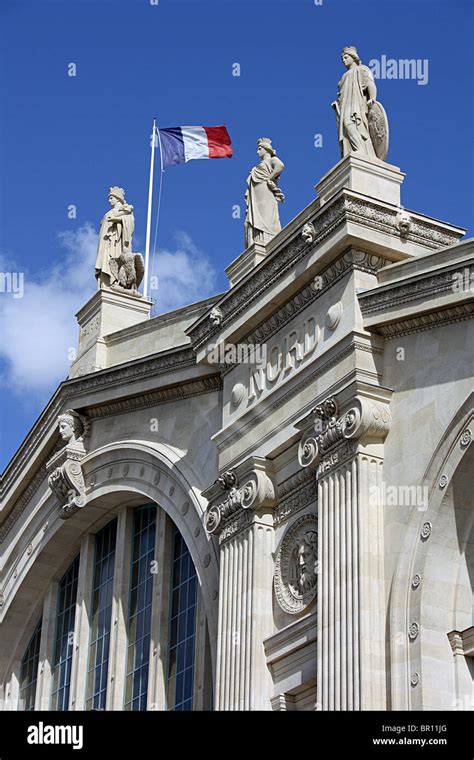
[
  {"x": 243, "y": 521},
  {"x": 347, "y": 455}
]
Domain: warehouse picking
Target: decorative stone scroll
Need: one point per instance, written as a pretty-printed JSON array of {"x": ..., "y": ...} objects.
[
  {"x": 330, "y": 431},
  {"x": 65, "y": 476},
  {"x": 248, "y": 487}
]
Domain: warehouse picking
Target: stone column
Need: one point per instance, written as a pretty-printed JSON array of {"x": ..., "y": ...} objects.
[
  {"x": 346, "y": 452},
  {"x": 202, "y": 697},
  {"x": 12, "y": 692},
  {"x": 243, "y": 521},
  {"x": 158, "y": 679},
  {"x": 46, "y": 653},
  {"x": 118, "y": 633},
  {"x": 80, "y": 661}
]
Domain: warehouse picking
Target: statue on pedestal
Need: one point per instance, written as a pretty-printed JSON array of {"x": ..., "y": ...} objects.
[
  {"x": 361, "y": 121},
  {"x": 117, "y": 267},
  {"x": 263, "y": 195}
]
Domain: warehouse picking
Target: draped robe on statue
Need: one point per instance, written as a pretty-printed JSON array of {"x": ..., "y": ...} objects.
[
  {"x": 353, "y": 111},
  {"x": 115, "y": 238},
  {"x": 262, "y": 222}
]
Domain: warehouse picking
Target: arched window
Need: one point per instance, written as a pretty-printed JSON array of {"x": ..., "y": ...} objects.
[
  {"x": 182, "y": 636},
  {"x": 64, "y": 640},
  {"x": 101, "y": 613},
  {"x": 139, "y": 612},
  {"x": 29, "y": 670},
  {"x": 131, "y": 591}
]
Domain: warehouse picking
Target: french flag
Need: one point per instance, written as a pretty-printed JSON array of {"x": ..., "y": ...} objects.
[{"x": 181, "y": 144}]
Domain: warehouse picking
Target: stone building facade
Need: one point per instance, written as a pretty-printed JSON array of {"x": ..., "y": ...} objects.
[{"x": 288, "y": 527}]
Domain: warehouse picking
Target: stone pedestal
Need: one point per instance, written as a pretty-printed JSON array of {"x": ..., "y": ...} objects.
[
  {"x": 244, "y": 263},
  {"x": 370, "y": 177},
  {"x": 347, "y": 453},
  {"x": 240, "y": 510},
  {"x": 106, "y": 312}
]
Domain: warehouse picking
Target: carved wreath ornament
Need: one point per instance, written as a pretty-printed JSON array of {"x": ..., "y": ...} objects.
[{"x": 295, "y": 579}]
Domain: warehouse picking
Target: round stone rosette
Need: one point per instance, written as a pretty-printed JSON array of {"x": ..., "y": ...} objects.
[{"x": 295, "y": 579}]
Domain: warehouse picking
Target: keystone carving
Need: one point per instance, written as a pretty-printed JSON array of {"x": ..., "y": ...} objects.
[{"x": 65, "y": 476}]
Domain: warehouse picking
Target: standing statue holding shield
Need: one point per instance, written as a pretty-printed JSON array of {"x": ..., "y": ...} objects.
[{"x": 361, "y": 121}]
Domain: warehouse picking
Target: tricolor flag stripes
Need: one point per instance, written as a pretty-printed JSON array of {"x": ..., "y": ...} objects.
[{"x": 182, "y": 144}]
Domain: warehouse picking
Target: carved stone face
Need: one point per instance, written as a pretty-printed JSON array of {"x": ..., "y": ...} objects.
[
  {"x": 261, "y": 151},
  {"x": 66, "y": 429},
  {"x": 215, "y": 316},
  {"x": 295, "y": 579},
  {"x": 347, "y": 60},
  {"x": 404, "y": 224},
  {"x": 113, "y": 200},
  {"x": 306, "y": 565}
]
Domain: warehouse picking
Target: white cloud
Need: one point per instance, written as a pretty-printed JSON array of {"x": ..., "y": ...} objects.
[
  {"x": 185, "y": 275},
  {"x": 39, "y": 330}
]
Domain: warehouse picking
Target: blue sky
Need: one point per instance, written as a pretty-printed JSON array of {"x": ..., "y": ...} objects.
[{"x": 64, "y": 140}]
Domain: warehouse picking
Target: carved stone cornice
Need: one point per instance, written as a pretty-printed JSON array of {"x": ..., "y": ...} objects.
[
  {"x": 462, "y": 642},
  {"x": 425, "y": 232},
  {"x": 344, "y": 208},
  {"x": 329, "y": 436},
  {"x": 294, "y": 494},
  {"x": 414, "y": 289},
  {"x": 352, "y": 259},
  {"x": 422, "y": 322},
  {"x": 161, "y": 364},
  {"x": 153, "y": 398},
  {"x": 248, "y": 487},
  {"x": 266, "y": 274},
  {"x": 23, "y": 501},
  {"x": 320, "y": 368}
]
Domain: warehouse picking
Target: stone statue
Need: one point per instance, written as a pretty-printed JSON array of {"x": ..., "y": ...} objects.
[
  {"x": 117, "y": 267},
  {"x": 65, "y": 475},
  {"x": 361, "y": 121},
  {"x": 262, "y": 222},
  {"x": 73, "y": 428}
]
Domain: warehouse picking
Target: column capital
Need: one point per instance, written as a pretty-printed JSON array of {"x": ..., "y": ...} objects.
[
  {"x": 335, "y": 426},
  {"x": 247, "y": 487}
]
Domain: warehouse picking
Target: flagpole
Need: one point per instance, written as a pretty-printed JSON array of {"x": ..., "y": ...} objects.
[
  {"x": 148, "y": 219},
  {"x": 159, "y": 205}
]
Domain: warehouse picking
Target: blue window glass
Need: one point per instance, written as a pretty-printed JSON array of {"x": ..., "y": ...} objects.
[
  {"x": 182, "y": 637},
  {"x": 101, "y": 614},
  {"x": 139, "y": 613},
  {"x": 29, "y": 670},
  {"x": 64, "y": 644}
]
